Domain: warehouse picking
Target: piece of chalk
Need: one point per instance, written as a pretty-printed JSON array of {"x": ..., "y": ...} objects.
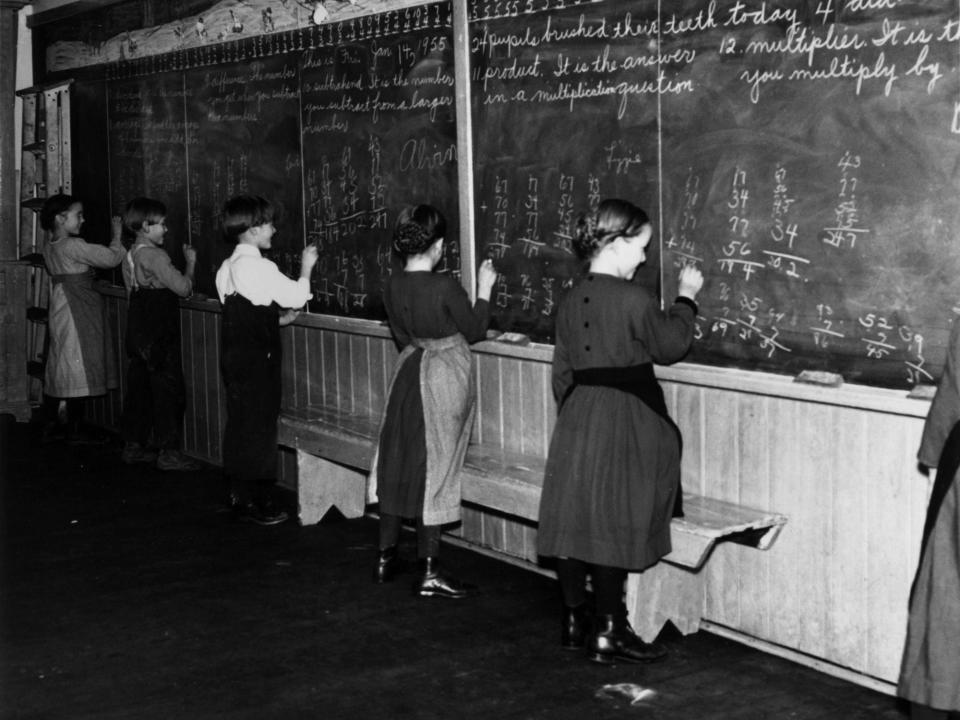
[
  {"x": 820, "y": 377},
  {"x": 922, "y": 392},
  {"x": 513, "y": 338}
]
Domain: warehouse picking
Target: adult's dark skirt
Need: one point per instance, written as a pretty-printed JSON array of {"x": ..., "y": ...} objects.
[
  {"x": 930, "y": 673},
  {"x": 611, "y": 481}
]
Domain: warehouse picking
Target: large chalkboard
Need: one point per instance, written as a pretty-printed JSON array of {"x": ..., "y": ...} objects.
[
  {"x": 541, "y": 159},
  {"x": 805, "y": 155},
  {"x": 379, "y": 132},
  {"x": 808, "y": 161},
  {"x": 244, "y": 138},
  {"x": 147, "y": 141},
  {"x": 339, "y": 125}
]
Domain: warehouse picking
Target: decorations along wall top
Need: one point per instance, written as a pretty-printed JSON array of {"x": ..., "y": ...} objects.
[{"x": 133, "y": 29}]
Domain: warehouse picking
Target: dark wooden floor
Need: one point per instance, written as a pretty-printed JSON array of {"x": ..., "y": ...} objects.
[{"x": 126, "y": 594}]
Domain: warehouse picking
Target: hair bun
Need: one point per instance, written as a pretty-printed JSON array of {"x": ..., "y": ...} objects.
[{"x": 411, "y": 238}]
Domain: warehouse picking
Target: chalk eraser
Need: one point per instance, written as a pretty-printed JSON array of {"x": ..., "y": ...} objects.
[
  {"x": 512, "y": 338},
  {"x": 820, "y": 377},
  {"x": 922, "y": 392}
]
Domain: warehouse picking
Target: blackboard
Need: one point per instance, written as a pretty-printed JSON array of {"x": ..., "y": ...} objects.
[
  {"x": 243, "y": 138},
  {"x": 339, "y": 125},
  {"x": 147, "y": 141},
  {"x": 805, "y": 156},
  {"x": 539, "y": 160},
  {"x": 807, "y": 161},
  {"x": 90, "y": 176},
  {"x": 379, "y": 133}
]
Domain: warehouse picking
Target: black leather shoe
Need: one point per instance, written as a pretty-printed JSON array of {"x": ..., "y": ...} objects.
[
  {"x": 613, "y": 640},
  {"x": 389, "y": 565},
  {"x": 434, "y": 583},
  {"x": 575, "y": 626},
  {"x": 261, "y": 514}
]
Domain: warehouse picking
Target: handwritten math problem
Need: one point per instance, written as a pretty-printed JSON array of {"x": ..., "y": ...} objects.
[{"x": 768, "y": 143}]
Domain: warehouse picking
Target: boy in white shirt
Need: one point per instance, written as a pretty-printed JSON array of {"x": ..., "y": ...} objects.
[{"x": 257, "y": 299}]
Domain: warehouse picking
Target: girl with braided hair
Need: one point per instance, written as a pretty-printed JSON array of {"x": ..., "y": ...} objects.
[
  {"x": 431, "y": 402},
  {"x": 613, "y": 469}
]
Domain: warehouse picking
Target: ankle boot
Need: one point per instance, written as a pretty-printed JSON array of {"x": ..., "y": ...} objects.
[
  {"x": 389, "y": 565},
  {"x": 575, "y": 624},
  {"x": 434, "y": 583},
  {"x": 613, "y": 639}
]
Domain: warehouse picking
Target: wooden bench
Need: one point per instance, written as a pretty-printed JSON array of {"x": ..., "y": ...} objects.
[{"x": 335, "y": 449}]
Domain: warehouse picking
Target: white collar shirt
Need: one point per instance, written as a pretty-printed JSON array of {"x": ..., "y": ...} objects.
[{"x": 259, "y": 280}]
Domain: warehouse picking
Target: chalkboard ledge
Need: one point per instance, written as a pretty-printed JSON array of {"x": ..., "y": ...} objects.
[{"x": 849, "y": 395}]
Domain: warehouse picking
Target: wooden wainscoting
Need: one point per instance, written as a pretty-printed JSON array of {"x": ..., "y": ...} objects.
[
  {"x": 837, "y": 582},
  {"x": 840, "y": 463}
]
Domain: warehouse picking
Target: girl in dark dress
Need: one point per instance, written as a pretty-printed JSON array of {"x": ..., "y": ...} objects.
[
  {"x": 431, "y": 403},
  {"x": 613, "y": 469}
]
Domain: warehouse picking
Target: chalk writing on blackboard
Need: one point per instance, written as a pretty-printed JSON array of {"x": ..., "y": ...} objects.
[
  {"x": 244, "y": 139},
  {"x": 806, "y": 160},
  {"x": 379, "y": 132}
]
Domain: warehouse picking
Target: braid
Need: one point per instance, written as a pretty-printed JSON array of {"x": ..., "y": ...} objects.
[
  {"x": 613, "y": 218},
  {"x": 587, "y": 237}
]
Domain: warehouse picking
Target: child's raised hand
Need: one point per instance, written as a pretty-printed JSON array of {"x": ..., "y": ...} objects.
[
  {"x": 287, "y": 316},
  {"x": 486, "y": 277},
  {"x": 691, "y": 280},
  {"x": 308, "y": 259},
  {"x": 189, "y": 254},
  {"x": 116, "y": 228}
]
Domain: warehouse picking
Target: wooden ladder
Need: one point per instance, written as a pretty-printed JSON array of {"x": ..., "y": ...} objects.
[{"x": 45, "y": 170}]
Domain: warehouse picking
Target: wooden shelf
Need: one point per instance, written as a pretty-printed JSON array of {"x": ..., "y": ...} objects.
[{"x": 34, "y": 203}]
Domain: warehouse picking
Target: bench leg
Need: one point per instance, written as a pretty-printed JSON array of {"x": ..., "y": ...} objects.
[
  {"x": 322, "y": 484},
  {"x": 665, "y": 592}
]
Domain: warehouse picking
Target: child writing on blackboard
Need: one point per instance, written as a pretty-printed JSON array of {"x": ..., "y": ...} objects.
[
  {"x": 431, "y": 402},
  {"x": 80, "y": 361},
  {"x": 613, "y": 468},
  {"x": 930, "y": 672},
  {"x": 257, "y": 300},
  {"x": 156, "y": 397}
]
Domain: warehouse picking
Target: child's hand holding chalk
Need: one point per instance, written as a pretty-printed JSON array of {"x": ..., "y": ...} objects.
[{"x": 486, "y": 277}]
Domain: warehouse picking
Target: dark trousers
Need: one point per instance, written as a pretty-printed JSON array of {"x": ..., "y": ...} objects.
[
  {"x": 250, "y": 435},
  {"x": 155, "y": 399}
]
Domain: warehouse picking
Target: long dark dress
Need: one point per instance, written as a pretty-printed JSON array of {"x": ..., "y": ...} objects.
[
  {"x": 426, "y": 424},
  {"x": 613, "y": 469},
  {"x": 930, "y": 673}
]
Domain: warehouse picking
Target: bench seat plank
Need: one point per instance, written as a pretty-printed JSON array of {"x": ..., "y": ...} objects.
[
  {"x": 511, "y": 483},
  {"x": 336, "y": 435},
  {"x": 707, "y": 520},
  {"x": 503, "y": 481}
]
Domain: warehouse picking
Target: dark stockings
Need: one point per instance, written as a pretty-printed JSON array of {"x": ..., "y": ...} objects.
[
  {"x": 428, "y": 536},
  {"x": 608, "y": 583}
]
